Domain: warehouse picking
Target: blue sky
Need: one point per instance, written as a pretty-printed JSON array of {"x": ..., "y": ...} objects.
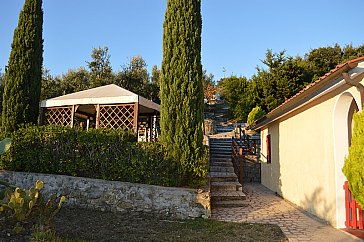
[{"x": 235, "y": 34}]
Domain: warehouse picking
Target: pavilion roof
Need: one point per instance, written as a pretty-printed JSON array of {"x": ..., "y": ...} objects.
[{"x": 109, "y": 94}]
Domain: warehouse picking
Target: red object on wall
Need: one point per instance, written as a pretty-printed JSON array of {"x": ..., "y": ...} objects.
[
  {"x": 269, "y": 158},
  {"x": 354, "y": 213}
]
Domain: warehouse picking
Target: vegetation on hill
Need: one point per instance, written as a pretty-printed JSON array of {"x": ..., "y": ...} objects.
[
  {"x": 181, "y": 86},
  {"x": 354, "y": 164},
  {"x": 24, "y": 73},
  {"x": 281, "y": 78}
]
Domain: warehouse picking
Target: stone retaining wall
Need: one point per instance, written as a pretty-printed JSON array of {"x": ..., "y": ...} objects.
[
  {"x": 252, "y": 169},
  {"x": 117, "y": 196}
]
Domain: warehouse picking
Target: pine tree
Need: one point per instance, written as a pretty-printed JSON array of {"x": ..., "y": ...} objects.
[
  {"x": 181, "y": 85},
  {"x": 24, "y": 73},
  {"x": 354, "y": 164}
]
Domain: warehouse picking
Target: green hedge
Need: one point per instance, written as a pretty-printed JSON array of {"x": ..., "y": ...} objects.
[{"x": 97, "y": 153}]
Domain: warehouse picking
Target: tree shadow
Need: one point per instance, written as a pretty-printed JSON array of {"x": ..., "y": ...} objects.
[{"x": 316, "y": 204}]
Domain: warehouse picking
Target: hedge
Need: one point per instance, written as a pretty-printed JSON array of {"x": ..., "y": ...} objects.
[{"x": 97, "y": 153}]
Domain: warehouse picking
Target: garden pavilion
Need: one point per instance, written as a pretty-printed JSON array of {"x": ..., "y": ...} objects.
[{"x": 107, "y": 106}]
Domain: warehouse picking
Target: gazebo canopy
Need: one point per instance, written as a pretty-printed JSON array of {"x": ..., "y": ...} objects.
[
  {"x": 108, "y": 106},
  {"x": 109, "y": 94}
]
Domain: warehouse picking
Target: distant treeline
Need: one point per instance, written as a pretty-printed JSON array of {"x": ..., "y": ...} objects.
[{"x": 282, "y": 77}]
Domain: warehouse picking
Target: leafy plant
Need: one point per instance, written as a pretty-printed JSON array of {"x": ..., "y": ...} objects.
[
  {"x": 6, "y": 186},
  {"x": 21, "y": 206},
  {"x": 353, "y": 167},
  {"x": 255, "y": 114}
]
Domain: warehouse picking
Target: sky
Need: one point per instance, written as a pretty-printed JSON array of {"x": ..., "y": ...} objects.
[{"x": 235, "y": 33}]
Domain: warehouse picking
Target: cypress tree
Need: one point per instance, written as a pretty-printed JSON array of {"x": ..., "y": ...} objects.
[
  {"x": 181, "y": 85},
  {"x": 354, "y": 164},
  {"x": 24, "y": 73}
]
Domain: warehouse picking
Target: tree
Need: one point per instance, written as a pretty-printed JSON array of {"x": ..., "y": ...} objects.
[
  {"x": 2, "y": 81},
  {"x": 51, "y": 86},
  {"x": 209, "y": 87},
  {"x": 24, "y": 74},
  {"x": 76, "y": 80},
  {"x": 153, "y": 85},
  {"x": 349, "y": 52},
  {"x": 134, "y": 76},
  {"x": 323, "y": 59},
  {"x": 181, "y": 85},
  {"x": 156, "y": 73},
  {"x": 353, "y": 167},
  {"x": 235, "y": 90},
  {"x": 100, "y": 67},
  {"x": 255, "y": 114},
  {"x": 284, "y": 77}
]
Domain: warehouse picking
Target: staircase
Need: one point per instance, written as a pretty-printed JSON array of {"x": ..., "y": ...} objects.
[{"x": 225, "y": 190}]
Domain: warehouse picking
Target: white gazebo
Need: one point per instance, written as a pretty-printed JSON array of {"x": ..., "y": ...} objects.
[{"x": 108, "y": 106}]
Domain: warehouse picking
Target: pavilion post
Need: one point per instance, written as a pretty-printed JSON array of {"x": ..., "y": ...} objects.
[
  {"x": 154, "y": 126},
  {"x": 72, "y": 114},
  {"x": 41, "y": 116},
  {"x": 97, "y": 116},
  {"x": 136, "y": 111},
  {"x": 150, "y": 119}
]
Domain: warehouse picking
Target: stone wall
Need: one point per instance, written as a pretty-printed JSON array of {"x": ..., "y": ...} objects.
[
  {"x": 117, "y": 196},
  {"x": 252, "y": 169}
]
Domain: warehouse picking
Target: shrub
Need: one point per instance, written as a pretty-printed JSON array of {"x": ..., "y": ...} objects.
[
  {"x": 98, "y": 153},
  {"x": 255, "y": 114},
  {"x": 353, "y": 167}
]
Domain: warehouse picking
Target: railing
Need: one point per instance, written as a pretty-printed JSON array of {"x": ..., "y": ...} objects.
[
  {"x": 249, "y": 144},
  {"x": 354, "y": 213},
  {"x": 241, "y": 146},
  {"x": 237, "y": 159}
]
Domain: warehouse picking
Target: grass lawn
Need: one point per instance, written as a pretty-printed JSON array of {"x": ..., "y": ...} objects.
[
  {"x": 106, "y": 226},
  {"x": 89, "y": 225}
]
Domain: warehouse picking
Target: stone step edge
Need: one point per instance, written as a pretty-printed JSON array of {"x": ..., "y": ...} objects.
[{"x": 231, "y": 203}]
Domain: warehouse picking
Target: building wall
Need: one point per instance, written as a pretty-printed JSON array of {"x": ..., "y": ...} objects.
[{"x": 304, "y": 167}]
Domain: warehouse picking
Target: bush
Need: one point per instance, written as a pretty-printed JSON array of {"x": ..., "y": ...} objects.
[
  {"x": 255, "y": 114},
  {"x": 110, "y": 154},
  {"x": 353, "y": 167}
]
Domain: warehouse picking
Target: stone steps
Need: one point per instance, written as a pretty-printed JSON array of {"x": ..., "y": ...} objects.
[
  {"x": 225, "y": 190},
  {"x": 225, "y": 186},
  {"x": 227, "y": 195},
  {"x": 222, "y": 165},
  {"x": 222, "y": 176},
  {"x": 217, "y": 168},
  {"x": 217, "y": 159},
  {"x": 230, "y": 203},
  {"x": 225, "y": 153},
  {"x": 222, "y": 156}
]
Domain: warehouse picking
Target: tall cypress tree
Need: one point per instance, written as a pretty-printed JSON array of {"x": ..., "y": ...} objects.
[
  {"x": 181, "y": 84},
  {"x": 24, "y": 73}
]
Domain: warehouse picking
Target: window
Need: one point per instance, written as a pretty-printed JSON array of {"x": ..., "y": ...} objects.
[{"x": 269, "y": 153}]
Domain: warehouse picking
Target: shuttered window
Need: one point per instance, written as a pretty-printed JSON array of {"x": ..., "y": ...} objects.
[{"x": 269, "y": 150}]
